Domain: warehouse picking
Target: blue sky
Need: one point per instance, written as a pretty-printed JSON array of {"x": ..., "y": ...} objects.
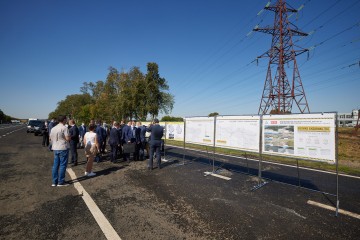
[{"x": 204, "y": 49}]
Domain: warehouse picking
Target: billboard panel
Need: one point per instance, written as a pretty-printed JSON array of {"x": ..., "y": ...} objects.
[
  {"x": 200, "y": 130},
  {"x": 238, "y": 132},
  {"x": 175, "y": 131},
  {"x": 309, "y": 136}
]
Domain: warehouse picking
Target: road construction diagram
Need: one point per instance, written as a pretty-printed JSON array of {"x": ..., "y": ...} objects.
[
  {"x": 175, "y": 131},
  {"x": 238, "y": 132},
  {"x": 199, "y": 130},
  {"x": 309, "y": 136}
]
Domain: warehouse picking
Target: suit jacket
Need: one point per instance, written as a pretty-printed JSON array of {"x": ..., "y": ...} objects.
[
  {"x": 157, "y": 133},
  {"x": 82, "y": 131},
  {"x": 115, "y": 138},
  {"x": 127, "y": 134},
  {"x": 142, "y": 134},
  {"x": 100, "y": 133},
  {"x": 137, "y": 135},
  {"x": 74, "y": 133}
]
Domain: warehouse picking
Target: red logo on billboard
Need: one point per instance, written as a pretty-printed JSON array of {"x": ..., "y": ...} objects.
[{"x": 273, "y": 122}]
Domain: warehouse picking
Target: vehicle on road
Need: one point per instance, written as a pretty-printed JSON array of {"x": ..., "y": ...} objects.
[
  {"x": 38, "y": 130},
  {"x": 32, "y": 124}
]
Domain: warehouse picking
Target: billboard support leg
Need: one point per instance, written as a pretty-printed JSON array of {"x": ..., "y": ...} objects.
[
  {"x": 261, "y": 182},
  {"x": 298, "y": 172}
]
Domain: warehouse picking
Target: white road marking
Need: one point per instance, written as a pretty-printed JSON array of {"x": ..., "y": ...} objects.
[
  {"x": 216, "y": 175},
  {"x": 102, "y": 221},
  {"x": 274, "y": 163},
  {"x": 317, "y": 204}
]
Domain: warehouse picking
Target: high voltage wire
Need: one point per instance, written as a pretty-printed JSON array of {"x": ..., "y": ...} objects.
[
  {"x": 218, "y": 91},
  {"x": 238, "y": 42},
  {"x": 247, "y": 35},
  {"x": 311, "y": 90},
  {"x": 329, "y": 20},
  {"x": 321, "y": 43},
  {"x": 335, "y": 35},
  {"x": 353, "y": 64},
  {"x": 319, "y": 15}
]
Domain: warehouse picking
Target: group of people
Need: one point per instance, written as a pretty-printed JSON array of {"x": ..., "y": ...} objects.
[{"x": 123, "y": 140}]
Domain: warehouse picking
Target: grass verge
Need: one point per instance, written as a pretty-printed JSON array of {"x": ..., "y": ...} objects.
[{"x": 348, "y": 154}]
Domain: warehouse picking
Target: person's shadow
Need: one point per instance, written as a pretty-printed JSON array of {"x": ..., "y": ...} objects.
[{"x": 98, "y": 173}]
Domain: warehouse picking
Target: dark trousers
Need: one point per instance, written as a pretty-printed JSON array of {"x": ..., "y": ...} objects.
[
  {"x": 137, "y": 151},
  {"x": 114, "y": 152},
  {"x": 74, "y": 153},
  {"x": 155, "y": 148},
  {"x": 142, "y": 147},
  {"x": 45, "y": 140},
  {"x": 103, "y": 147}
]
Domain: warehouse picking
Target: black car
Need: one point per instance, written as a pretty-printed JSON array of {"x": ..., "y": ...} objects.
[{"x": 32, "y": 125}]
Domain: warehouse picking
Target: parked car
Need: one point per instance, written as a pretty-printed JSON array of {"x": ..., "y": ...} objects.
[
  {"x": 32, "y": 124},
  {"x": 38, "y": 130}
]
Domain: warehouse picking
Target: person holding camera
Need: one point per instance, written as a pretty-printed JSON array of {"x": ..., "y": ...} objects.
[{"x": 157, "y": 133}]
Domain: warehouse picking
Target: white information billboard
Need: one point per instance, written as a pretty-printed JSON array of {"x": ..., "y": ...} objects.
[
  {"x": 238, "y": 132},
  {"x": 199, "y": 130},
  {"x": 175, "y": 131},
  {"x": 309, "y": 136}
]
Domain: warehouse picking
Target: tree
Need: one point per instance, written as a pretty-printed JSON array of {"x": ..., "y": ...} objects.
[
  {"x": 124, "y": 95},
  {"x": 171, "y": 119},
  {"x": 213, "y": 114},
  {"x": 158, "y": 99},
  {"x": 139, "y": 99},
  {"x": 72, "y": 106}
]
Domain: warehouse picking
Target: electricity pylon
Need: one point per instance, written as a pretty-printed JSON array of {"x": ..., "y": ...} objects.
[{"x": 279, "y": 94}]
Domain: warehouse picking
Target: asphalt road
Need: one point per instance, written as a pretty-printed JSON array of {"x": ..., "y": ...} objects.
[{"x": 176, "y": 202}]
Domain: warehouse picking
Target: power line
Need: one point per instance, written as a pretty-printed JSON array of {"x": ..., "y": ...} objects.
[{"x": 186, "y": 82}]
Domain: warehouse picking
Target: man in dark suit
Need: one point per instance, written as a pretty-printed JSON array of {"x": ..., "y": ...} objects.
[
  {"x": 101, "y": 136},
  {"x": 114, "y": 141},
  {"x": 140, "y": 140},
  {"x": 157, "y": 133},
  {"x": 127, "y": 138},
  {"x": 74, "y": 135}
]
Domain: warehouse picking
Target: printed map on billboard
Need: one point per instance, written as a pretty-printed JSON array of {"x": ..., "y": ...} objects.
[
  {"x": 199, "y": 130},
  {"x": 310, "y": 136},
  {"x": 238, "y": 132}
]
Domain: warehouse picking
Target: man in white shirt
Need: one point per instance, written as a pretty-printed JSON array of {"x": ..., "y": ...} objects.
[{"x": 60, "y": 139}]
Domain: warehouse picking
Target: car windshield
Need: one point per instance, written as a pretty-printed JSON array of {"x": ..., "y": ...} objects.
[{"x": 35, "y": 123}]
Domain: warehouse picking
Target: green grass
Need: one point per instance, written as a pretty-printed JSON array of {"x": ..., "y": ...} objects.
[{"x": 343, "y": 166}]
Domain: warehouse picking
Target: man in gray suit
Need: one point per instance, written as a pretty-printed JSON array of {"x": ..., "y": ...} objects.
[{"x": 157, "y": 133}]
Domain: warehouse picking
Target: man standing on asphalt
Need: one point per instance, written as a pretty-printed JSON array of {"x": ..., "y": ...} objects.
[
  {"x": 74, "y": 134},
  {"x": 114, "y": 141},
  {"x": 157, "y": 133},
  {"x": 60, "y": 138}
]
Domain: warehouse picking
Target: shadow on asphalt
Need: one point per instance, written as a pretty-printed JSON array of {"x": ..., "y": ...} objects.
[
  {"x": 244, "y": 169},
  {"x": 98, "y": 173}
]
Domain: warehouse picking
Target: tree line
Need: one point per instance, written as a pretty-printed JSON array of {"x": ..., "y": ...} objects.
[
  {"x": 123, "y": 95},
  {"x": 5, "y": 118}
]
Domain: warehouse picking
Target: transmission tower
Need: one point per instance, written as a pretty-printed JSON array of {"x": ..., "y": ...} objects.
[{"x": 279, "y": 95}]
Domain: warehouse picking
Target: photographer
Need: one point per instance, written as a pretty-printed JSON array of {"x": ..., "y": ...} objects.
[{"x": 157, "y": 133}]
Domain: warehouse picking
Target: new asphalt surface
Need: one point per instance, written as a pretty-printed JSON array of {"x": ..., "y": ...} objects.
[{"x": 176, "y": 202}]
